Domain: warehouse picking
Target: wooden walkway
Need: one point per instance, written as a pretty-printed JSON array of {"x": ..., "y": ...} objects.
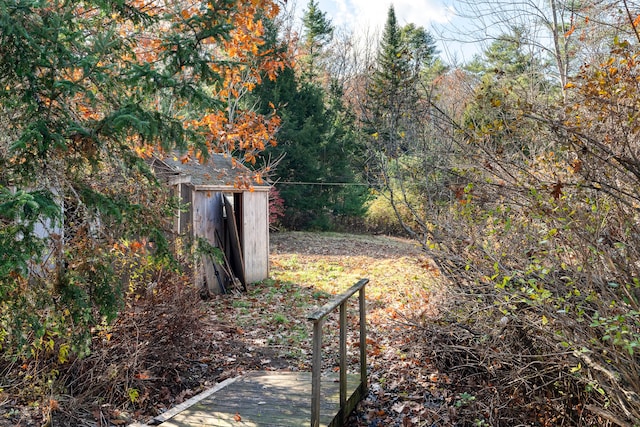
[
  {"x": 264, "y": 399},
  {"x": 285, "y": 399}
]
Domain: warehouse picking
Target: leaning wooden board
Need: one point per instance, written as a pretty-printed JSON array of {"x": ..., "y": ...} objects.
[{"x": 237, "y": 262}]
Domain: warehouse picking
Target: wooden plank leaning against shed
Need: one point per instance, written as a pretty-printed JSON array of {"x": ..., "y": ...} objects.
[{"x": 318, "y": 319}]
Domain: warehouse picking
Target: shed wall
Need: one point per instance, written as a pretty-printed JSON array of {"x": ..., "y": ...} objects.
[
  {"x": 207, "y": 218},
  {"x": 255, "y": 234}
]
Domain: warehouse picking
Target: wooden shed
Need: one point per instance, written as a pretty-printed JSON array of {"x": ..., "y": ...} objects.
[{"x": 223, "y": 214}]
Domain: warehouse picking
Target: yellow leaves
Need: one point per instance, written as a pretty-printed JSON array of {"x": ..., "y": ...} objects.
[
  {"x": 609, "y": 62},
  {"x": 250, "y": 157},
  {"x": 63, "y": 353},
  {"x": 144, "y": 151},
  {"x": 133, "y": 394}
]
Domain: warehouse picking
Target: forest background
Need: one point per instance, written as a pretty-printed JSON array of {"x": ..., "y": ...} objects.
[{"x": 517, "y": 172}]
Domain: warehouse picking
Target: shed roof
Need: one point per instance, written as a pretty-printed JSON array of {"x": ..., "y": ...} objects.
[{"x": 218, "y": 172}]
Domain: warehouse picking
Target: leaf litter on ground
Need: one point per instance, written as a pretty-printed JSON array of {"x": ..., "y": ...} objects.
[{"x": 160, "y": 354}]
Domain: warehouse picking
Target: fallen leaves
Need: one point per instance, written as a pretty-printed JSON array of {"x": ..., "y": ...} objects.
[{"x": 237, "y": 333}]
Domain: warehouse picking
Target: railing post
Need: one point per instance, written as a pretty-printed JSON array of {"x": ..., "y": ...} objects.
[
  {"x": 315, "y": 372},
  {"x": 318, "y": 320},
  {"x": 343, "y": 357},
  {"x": 363, "y": 341}
]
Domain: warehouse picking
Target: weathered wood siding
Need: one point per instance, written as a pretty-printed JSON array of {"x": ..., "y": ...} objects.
[
  {"x": 207, "y": 218},
  {"x": 54, "y": 231},
  {"x": 255, "y": 234},
  {"x": 185, "y": 214}
]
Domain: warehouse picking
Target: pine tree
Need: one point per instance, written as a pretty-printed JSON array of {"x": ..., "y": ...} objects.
[
  {"x": 509, "y": 79},
  {"x": 317, "y": 33},
  {"x": 398, "y": 125},
  {"x": 392, "y": 68},
  {"x": 392, "y": 89},
  {"x": 316, "y": 144}
]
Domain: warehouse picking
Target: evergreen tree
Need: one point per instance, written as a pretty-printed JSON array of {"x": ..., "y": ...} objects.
[
  {"x": 398, "y": 125},
  {"x": 421, "y": 46},
  {"x": 316, "y": 142},
  {"x": 393, "y": 68},
  {"x": 505, "y": 56},
  {"x": 395, "y": 88},
  {"x": 88, "y": 91},
  {"x": 317, "y": 33},
  {"x": 509, "y": 78}
]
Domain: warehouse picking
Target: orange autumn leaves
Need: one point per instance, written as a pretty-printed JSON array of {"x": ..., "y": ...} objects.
[
  {"x": 241, "y": 60},
  {"x": 237, "y": 54},
  {"x": 128, "y": 69}
]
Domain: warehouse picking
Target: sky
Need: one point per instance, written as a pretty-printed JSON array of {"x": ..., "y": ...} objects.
[
  {"x": 374, "y": 12},
  {"x": 362, "y": 15}
]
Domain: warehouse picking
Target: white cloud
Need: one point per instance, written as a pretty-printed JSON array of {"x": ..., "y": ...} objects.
[
  {"x": 372, "y": 14},
  {"x": 367, "y": 17}
]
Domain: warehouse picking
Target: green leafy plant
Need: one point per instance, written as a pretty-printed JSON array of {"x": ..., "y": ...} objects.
[{"x": 465, "y": 399}]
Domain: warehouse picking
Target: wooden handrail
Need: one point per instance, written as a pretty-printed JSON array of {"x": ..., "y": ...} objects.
[{"x": 318, "y": 318}]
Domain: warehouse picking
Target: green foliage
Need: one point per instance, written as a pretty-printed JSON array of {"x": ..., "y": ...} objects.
[
  {"x": 317, "y": 147},
  {"x": 510, "y": 78},
  {"x": 20, "y": 212},
  {"x": 317, "y": 33},
  {"x": 421, "y": 46},
  {"x": 87, "y": 91},
  {"x": 391, "y": 94},
  {"x": 529, "y": 204},
  {"x": 382, "y": 217},
  {"x": 404, "y": 144},
  {"x": 505, "y": 56}
]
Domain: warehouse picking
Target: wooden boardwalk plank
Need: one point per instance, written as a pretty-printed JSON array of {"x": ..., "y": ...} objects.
[{"x": 266, "y": 399}]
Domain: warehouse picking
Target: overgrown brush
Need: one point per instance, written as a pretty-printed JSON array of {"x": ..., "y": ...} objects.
[
  {"x": 542, "y": 347},
  {"x": 142, "y": 354},
  {"x": 545, "y": 262},
  {"x": 540, "y": 240}
]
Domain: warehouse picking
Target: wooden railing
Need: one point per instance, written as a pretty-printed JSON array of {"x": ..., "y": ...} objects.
[{"x": 318, "y": 318}]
